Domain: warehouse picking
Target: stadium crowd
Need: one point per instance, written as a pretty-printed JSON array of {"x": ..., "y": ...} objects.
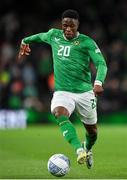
[{"x": 30, "y": 82}]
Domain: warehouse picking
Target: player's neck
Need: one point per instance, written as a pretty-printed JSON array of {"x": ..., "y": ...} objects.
[{"x": 77, "y": 34}]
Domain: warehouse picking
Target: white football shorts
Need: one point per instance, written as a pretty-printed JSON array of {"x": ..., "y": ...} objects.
[{"x": 83, "y": 103}]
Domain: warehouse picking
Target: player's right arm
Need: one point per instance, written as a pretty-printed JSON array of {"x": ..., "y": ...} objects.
[
  {"x": 24, "y": 50},
  {"x": 37, "y": 38}
]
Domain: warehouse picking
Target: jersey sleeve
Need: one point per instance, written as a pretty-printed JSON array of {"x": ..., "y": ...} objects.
[
  {"x": 39, "y": 38},
  {"x": 98, "y": 60}
]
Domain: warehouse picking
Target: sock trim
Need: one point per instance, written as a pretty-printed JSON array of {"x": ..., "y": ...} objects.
[{"x": 61, "y": 123}]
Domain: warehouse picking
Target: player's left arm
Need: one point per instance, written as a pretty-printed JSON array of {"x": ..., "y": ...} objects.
[{"x": 100, "y": 64}]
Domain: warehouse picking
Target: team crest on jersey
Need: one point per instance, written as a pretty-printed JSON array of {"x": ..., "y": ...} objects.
[{"x": 76, "y": 43}]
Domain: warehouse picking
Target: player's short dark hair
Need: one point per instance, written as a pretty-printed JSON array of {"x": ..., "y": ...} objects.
[{"x": 70, "y": 13}]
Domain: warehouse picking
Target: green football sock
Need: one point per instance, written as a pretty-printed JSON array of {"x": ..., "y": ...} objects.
[
  {"x": 69, "y": 131},
  {"x": 90, "y": 140}
]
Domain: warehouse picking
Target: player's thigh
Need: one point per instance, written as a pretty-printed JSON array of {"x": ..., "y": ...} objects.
[
  {"x": 86, "y": 107},
  {"x": 62, "y": 99}
]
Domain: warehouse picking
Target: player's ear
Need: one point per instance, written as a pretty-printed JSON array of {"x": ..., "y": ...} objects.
[{"x": 77, "y": 24}]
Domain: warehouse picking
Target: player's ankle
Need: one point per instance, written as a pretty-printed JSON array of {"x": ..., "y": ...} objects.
[{"x": 79, "y": 150}]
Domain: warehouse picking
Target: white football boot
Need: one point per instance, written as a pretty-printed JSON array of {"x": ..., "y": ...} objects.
[
  {"x": 89, "y": 156},
  {"x": 81, "y": 156}
]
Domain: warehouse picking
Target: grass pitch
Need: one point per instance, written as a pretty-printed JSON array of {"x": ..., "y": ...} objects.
[{"x": 24, "y": 153}]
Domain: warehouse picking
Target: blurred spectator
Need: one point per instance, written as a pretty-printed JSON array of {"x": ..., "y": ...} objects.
[
  {"x": 15, "y": 96},
  {"x": 10, "y": 25}
]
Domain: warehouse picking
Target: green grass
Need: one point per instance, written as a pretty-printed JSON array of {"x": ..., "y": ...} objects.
[{"x": 24, "y": 153}]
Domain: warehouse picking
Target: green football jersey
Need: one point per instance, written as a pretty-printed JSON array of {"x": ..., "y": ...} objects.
[{"x": 71, "y": 59}]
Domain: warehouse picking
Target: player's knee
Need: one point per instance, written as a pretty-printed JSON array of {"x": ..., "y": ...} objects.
[
  {"x": 61, "y": 114},
  {"x": 60, "y": 111}
]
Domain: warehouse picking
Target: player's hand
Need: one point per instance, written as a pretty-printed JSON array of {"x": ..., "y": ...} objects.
[
  {"x": 24, "y": 50},
  {"x": 98, "y": 90}
]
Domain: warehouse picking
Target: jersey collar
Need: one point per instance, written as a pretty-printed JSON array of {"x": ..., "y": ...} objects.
[{"x": 73, "y": 38}]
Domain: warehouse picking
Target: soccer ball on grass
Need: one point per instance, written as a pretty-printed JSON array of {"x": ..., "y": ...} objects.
[{"x": 58, "y": 165}]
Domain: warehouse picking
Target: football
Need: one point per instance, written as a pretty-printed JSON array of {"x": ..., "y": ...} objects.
[{"x": 58, "y": 165}]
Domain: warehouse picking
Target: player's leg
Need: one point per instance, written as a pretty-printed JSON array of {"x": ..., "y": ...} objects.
[
  {"x": 67, "y": 128},
  {"x": 91, "y": 135},
  {"x": 69, "y": 132},
  {"x": 86, "y": 107},
  {"x": 62, "y": 107}
]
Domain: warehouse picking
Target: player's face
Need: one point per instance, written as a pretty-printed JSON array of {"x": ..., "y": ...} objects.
[{"x": 70, "y": 26}]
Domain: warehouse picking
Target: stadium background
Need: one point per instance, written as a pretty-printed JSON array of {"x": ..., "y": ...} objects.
[
  {"x": 29, "y": 85},
  {"x": 26, "y": 90}
]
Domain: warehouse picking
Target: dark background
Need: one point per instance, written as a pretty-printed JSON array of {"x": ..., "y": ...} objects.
[{"x": 29, "y": 85}]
